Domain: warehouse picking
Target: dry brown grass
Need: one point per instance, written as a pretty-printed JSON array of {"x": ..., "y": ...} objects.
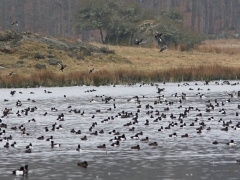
[
  {"x": 221, "y": 46},
  {"x": 120, "y": 76},
  {"x": 147, "y": 64},
  {"x": 150, "y": 59}
]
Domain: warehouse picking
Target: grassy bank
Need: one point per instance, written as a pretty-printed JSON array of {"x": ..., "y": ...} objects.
[
  {"x": 213, "y": 60},
  {"x": 120, "y": 76}
]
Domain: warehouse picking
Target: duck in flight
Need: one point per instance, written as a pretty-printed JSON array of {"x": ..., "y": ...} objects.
[
  {"x": 62, "y": 67},
  {"x": 163, "y": 48},
  {"x": 138, "y": 42},
  {"x": 11, "y": 73},
  {"x": 91, "y": 70},
  {"x": 15, "y": 23},
  {"x": 158, "y": 36}
]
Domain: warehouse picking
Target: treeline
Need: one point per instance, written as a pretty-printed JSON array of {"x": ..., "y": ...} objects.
[
  {"x": 56, "y": 18},
  {"x": 121, "y": 23}
]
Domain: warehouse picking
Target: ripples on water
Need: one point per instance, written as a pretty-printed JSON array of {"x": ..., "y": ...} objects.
[{"x": 194, "y": 157}]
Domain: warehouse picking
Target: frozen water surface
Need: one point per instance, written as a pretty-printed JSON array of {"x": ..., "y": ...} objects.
[{"x": 194, "y": 157}]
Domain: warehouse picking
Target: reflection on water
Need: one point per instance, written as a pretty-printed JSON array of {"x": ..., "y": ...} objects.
[{"x": 194, "y": 157}]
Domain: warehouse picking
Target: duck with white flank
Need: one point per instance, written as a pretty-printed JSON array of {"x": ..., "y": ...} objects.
[
  {"x": 22, "y": 171},
  {"x": 54, "y": 145},
  {"x": 78, "y": 148}
]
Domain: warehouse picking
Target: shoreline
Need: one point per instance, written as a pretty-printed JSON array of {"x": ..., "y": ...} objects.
[{"x": 106, "y": 77}]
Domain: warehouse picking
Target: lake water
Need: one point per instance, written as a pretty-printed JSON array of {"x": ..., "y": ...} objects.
[{"x": 194, "y": 157}]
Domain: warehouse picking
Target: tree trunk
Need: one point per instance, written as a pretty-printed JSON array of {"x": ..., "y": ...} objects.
[
  {"x": 101, "y": 33},
  {"x": 130, "y": 39},
  {"x": 117, "y": 39}
]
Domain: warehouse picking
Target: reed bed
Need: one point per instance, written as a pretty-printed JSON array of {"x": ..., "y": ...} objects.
[
  {"x": 120, "y": 76},
  {"x": 219, "y": 46}
]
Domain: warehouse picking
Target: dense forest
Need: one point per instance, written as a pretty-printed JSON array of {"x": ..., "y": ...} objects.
[{"x": 57, "y": 18}]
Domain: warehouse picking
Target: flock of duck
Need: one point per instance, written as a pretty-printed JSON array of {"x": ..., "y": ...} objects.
[
  {"x": 158, "y": 37},
  {"x": 163, "y": 113}
]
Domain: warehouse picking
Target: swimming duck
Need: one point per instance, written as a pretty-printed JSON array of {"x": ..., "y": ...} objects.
[
  {"x": 79, "y": 148},
  {"x": 28, "y": 151},
  {"x": 19, "y": 171},
  {"x": 115, "y": 144},
  {"x": 231, "y": 143},
  {"x": 84, "y": 138},
  {"x": 46, "y": 129},
  {"x": 29, "y": 146},
  {"x": 161, "y": 129},
  {"x": 6, "y": 145},
  {"x": 101, "y": 131},
  {"x": 140, "y": 133},
  {"x": 137, "y": 147},
  {"x": 102, "y": 146},
  {"x": 135, "y": 136},
  {"x": 122, "y": 137},
  {"x": 145, "y": 139},
  {"x": 94, "y": 133},
  {"x": 40, "y": 138},
  {"x": 147, "y": 122},
  {"x": 132, "y": 129},
  {"x": 153, "y": 144},
  {"x": 173, "y": 135},
  {"x": 115, "y": 139},
  {"x": 14, "y": 144},
  {"x": 83, "y": 164},
  {"x": 55, "y": 144},
  {"x": 78, "y": 132},
  {"x": 184, "y": 136},
  {"x": 224, "y": 129},
  {"x": 50, "y": 139}
]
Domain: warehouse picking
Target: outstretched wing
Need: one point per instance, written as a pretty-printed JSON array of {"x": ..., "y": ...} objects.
[{"x": 60, "y": 65}]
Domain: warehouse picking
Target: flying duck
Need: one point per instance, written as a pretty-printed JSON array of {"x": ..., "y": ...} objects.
[
  {"x": 15, "y": 23},
  {"x": 91, "y": 70},
  {"x": 163, "y": 48},
  {"x": 62, "y": 67},
  {"x": 138, "y": 42},
  {"x": 11, "y": 73},
  {"x": 158, "y": 36}
]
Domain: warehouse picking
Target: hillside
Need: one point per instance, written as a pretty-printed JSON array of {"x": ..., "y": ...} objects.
[
  {"x": 34, "y": 59},
  {"x": 27, "y": 52}
]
